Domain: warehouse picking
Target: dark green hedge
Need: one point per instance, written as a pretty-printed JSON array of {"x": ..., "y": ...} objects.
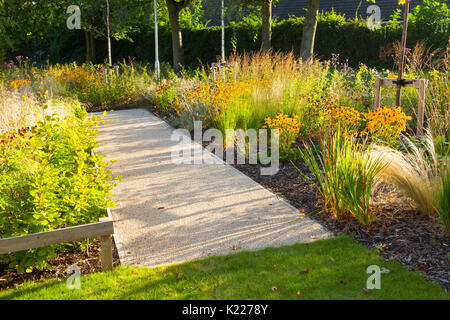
[{"x": 351, "y": 39}]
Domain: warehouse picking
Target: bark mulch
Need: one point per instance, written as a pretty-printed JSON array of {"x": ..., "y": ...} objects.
[
  {"x": 89, "y": 261},
  {"x": 398, "y": 232}
]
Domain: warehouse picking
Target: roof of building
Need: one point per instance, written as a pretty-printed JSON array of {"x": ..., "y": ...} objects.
[{"x": 350, "y": 8}]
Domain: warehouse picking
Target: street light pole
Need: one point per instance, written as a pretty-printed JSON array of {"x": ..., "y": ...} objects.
[
  {"x": 223, "y": 42},
  {"x": 223, "y": 32},
  {"x": 157, "y": 68}
]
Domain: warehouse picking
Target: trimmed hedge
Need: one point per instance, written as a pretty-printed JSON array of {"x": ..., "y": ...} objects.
[{"x": 351, "y": 39}]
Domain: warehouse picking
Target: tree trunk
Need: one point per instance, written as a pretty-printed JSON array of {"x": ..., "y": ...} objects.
[
  {"x": 309, "y": 30},
  {"x": 174, "y": 9},
  {"x": 266, "y": 25},
  {"x": 90, "y": 47}
]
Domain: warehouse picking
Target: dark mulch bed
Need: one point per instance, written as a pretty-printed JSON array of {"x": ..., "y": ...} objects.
[
  {"x": 398, "y": 232},
  {"x": 88, "y": 261}
]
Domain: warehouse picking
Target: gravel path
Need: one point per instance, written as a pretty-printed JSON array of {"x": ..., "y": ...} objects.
[{"x": 170, "y": 213}]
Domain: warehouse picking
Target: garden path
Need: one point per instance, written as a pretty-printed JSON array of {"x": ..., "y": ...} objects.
[{"x": 170, "y": 213}]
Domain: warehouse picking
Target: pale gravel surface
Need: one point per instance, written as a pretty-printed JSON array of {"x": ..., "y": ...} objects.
[{"x": 170, "y": 213}]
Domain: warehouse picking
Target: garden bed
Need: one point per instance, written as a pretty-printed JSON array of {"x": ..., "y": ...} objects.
[
  {"x": 89, "y": 261},
  {"x": 398, "y": 232}
]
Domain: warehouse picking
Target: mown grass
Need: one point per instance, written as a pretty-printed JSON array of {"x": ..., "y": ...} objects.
[{"x": 337, "y": 270}]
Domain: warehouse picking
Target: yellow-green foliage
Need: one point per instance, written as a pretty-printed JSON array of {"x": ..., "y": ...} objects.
[{"x": 49, "y": 180}]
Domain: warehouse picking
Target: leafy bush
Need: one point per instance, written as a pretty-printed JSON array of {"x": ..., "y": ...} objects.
[
  {"x": 345, "y": 174},
  {"x": 50, "y": 180}
]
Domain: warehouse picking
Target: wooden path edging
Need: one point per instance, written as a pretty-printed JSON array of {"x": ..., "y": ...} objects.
[{"x": 103, "y": 229}]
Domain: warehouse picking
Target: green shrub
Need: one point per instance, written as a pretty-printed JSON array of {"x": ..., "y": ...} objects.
[
  {"x": 50, "y": 180},
  {"x": 345, "y": 174}
]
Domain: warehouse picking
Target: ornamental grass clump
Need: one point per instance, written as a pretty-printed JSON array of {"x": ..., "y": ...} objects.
[
  {"x": 19, "y": 110},
  {"x": 443, "y": 196},
  {"x": 415, "y": 172},
  {"x": 346, "y": 175}
]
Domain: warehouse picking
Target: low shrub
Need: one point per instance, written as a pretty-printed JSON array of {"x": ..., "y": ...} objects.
[{"x": 50, "y": 180}]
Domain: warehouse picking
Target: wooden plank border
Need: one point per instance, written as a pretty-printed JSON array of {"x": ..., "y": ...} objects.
[{"x": 103, "y": 229}]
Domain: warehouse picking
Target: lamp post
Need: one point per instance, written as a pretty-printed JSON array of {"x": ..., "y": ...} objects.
[
  {"x": 223, "y": 31},
  {"x": 223, "y": 42},
  {"x": 157, "y": 68}
]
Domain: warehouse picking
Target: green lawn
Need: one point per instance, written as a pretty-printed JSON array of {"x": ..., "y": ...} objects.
[{"x": 337, "y": 270}]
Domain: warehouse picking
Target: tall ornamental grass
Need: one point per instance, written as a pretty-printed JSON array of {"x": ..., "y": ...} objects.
[
  {"x": 443, "y": 197},
  {"x": 415, "y": 172},
  {"x": 345, "y": 176}
]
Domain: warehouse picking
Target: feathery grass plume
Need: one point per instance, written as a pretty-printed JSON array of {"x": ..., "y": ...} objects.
[
  {"x": 415, "y": 172},
  {"x": 443, "y": 195},
  {"x": 437, "y": 103},
  {"x": 19, "y": 108},
  {"x": 433, "y": 65}
]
